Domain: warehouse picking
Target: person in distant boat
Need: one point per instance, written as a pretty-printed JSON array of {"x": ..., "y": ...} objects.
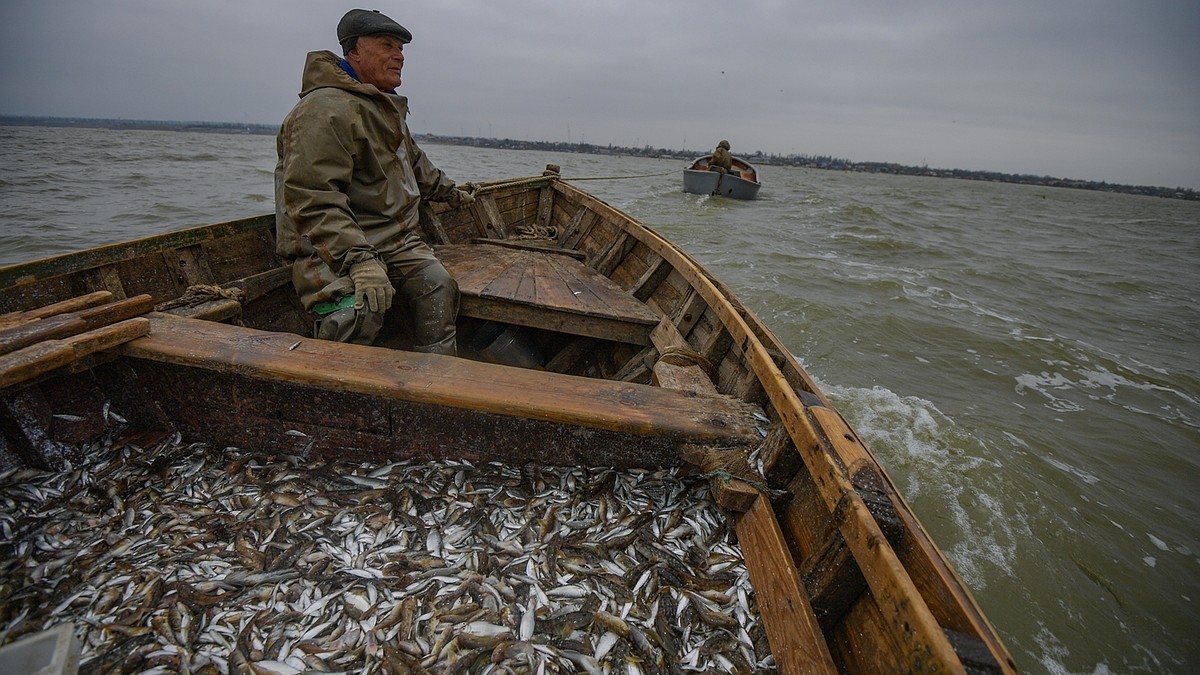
[
  {"x": 348, "y": 184},
  {"x": 721, "y": 161}
]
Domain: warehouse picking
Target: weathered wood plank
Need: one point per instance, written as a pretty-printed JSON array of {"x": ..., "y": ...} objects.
[
  {"x": 257, "y": 285},
  {"x": 28, "y": 363},
  {"x": 975, "y": 654},
  {"x": 579, "y": 227},
  {"x": 620, "y": 246},
  {"x": 685, "y": 376},
  {"x": 62, "y": 307},
  {"x": 241, "y": 255},
  {"x": 493, "y": 220},
  {"x": 780, "y": 461},
  {"x": 217, "y": 309},
  {"x": 26, "y": 424},
  {"x": 954, "y": 610},
  {"x": 863, "y": 471},
  {"x": 545, "y": 206},
  {"x": 106, "y": 255},
  {"x": 110, "y": 279},
  {"x": 72, "y": 323},
  {"x": 26, "y": 334},
  {"x": 568, "y": 356},
  {"x": 529, "y": 245},
  {"x": 555, "y": 285},
  {"x": 555, "y": 292},
  {"x": 431, "y": 226},
  {"x": 638, "y": 410},
  {"x": 792, "y": 629},
  {"x": 334, "y": 423},
  {"x": 732, "y": 494},
  {"x": 113, "y": 312},
  {"x": 189, "y": 265},
  {"x": 906, "y": 616},
  {"x": 599, "y": 237},
  {"x": 832, "y": 580},
  {"x": 533, "y": 316},
  {"x": 649, "y": 281}
]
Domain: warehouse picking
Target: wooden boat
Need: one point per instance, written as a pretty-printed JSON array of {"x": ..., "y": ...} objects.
[
  {"x": 581, "y": 330},
  {"x": 739, "y": 183}
]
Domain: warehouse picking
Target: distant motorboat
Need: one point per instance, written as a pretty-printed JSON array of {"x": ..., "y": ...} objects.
[{"x": 740, "y": 182}]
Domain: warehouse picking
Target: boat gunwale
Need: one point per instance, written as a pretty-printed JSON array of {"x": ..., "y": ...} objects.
[{"x": 72, "y": 262}]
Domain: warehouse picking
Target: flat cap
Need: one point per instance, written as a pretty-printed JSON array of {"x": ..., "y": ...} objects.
[{"x": 359, "y": 22}]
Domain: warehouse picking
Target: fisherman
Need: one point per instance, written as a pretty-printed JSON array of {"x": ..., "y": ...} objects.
[
  {"x": 721, "y": 161},
  {"x": 348, "y": 184}
]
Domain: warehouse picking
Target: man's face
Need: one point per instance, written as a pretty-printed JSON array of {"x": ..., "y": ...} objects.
[{"x": 378, "y": 60}]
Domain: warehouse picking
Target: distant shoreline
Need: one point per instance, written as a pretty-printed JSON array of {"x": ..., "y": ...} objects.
[{"x": 806, "y": 161}]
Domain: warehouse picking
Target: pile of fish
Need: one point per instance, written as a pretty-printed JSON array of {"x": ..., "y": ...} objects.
[{"x": 187, "y": 558}]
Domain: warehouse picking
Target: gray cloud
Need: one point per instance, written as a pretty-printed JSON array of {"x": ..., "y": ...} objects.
[{"x": 1099, "y": 90}]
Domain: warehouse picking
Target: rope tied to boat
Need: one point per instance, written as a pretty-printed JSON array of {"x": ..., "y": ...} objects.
[
  {"x": 200, "y": 293},
  {"x": 640, "y": 175},
  {"x": 486, "y": 187},
  {"x": 760, "y": 485},
  {"x": 686, "y": 356},
  {"x": 492, "y": 186}
]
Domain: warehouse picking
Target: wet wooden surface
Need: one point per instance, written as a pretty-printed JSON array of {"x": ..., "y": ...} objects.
[
  {"x": 448, "y": 383},
  {"x": 545, "y": 290}
]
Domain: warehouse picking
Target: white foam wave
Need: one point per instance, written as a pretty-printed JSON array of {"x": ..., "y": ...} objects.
[{"x": 952, "y": 481}]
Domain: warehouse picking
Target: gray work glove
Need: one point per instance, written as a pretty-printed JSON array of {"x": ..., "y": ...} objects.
[
  {"x": 371, "y": 286},
  {"x": 462, "y": 197}
]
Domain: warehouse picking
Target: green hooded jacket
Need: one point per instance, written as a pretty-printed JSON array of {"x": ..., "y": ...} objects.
[{"x": 349, "y": 181}]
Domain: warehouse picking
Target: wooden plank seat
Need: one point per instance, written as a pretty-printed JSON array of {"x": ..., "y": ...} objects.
[
  {"x": 375, "y": 401},
  {"x": 544, "y": 289}
]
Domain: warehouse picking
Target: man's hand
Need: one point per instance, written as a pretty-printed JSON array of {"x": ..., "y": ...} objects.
[
  {"x": 371, "y": 286},
  {"x": 462, "y": 197}
]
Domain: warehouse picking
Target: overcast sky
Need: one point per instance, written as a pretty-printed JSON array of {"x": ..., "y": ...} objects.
[{"x": 1088, "y": 89}]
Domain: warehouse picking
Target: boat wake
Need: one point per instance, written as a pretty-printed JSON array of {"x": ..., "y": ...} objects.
[{"x": 947, "y": 476}]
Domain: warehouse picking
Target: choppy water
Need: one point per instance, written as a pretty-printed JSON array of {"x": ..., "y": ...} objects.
[{"x": 1025, "y": 361}]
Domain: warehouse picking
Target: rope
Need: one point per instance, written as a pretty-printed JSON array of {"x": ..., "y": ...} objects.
[
  {"x": 641, "y": 175},
  {"x": 492, "y": 186},
  {"x": 760, "y": 485},
  {"x": 685, "y": 356},
  {"x": 199, "y": 293},
  {"x": 536, "y": 231}
]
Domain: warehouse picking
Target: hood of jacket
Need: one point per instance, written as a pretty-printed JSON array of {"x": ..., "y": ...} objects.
[{"x": 323, "y": 69}]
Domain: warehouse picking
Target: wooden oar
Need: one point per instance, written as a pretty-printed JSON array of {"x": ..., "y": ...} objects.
[
  {"x": 26, "y": 364},
  {"x": 69, "y": 305},
  {"x": 66, "y": 324}
]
